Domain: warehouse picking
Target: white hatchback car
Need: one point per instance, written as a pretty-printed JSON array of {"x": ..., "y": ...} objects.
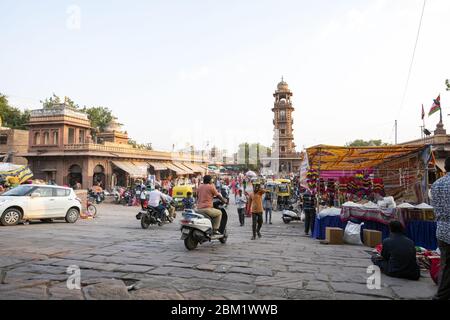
[{"x": 39, "y": 202}]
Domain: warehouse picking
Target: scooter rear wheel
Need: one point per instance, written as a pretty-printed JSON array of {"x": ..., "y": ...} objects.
[
  {"x": 190, "y": 243},
  {"x": 286, "y": 220}
]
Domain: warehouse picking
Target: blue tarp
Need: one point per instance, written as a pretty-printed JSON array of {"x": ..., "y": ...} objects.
[{"x": 423, "y": 233}]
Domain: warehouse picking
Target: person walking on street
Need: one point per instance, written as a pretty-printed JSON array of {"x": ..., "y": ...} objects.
[
  {"x": 241, "y": 202},
  {"x": 256, "y": 207},
  {"x": 440, "y": 200},
  {"x": 309, "y": 206},
  {"x": 268, "y": 206}
]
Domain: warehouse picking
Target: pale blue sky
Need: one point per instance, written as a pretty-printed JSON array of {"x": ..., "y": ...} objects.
[{"x": 197, "y": 71}]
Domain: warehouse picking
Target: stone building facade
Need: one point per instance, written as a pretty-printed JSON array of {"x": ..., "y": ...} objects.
[
  {"x": 61, "y": 149},
  {"x": 12, "y": 143}
]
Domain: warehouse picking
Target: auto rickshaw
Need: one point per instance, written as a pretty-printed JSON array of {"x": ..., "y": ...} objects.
[
  {"x": 283, "y": 190},
  {"x": 179, "y": 193}
]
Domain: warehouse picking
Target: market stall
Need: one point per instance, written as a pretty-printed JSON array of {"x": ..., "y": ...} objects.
[{"x": 356, "y": 180}]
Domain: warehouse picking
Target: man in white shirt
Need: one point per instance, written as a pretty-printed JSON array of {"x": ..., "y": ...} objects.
[{"x": 155, "y": 197}]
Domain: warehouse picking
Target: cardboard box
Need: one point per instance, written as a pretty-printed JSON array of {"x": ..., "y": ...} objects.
[
  {"x": 334, "y": 235},
  {"x": 372, "y": 238}
]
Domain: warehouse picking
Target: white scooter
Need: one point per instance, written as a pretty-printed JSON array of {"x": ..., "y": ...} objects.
[
  {"x": 292, "y": 215},
  {"x": 197, "y": 228}
]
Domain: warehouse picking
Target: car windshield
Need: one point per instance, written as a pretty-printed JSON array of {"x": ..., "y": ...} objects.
[{"x": 19, "y": 191}]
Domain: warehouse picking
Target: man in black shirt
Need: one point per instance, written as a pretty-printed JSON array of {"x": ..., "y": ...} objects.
[
  {"x": 309, "y": 206},
  {"x": 398, "y": 257}
]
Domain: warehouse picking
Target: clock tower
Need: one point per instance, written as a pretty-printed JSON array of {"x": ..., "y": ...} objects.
[{"x": 284, "y": 146}]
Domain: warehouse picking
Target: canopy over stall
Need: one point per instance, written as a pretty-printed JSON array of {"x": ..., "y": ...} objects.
[
  {"x": 178, "y": 170},
  {"x": 332, "y": 158},
  {"x": 194, "y": 167},
  {"x": 158, "y": 166},
  {"x": 134, "y": 169},
  {"x": 185, "y": 168}
]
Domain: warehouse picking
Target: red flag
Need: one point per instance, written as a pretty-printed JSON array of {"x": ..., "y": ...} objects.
[{"x": 423, "y": 112}]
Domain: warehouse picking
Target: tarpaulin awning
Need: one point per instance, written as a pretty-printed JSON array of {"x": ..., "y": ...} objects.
[
  {"x": 22, "y": 173},
  {"x": 173, "y": 167},
  {"x": 194, "y": 167},
  {"x": 186, "y": 169},
  {"x": 135, "y": 170},
  {"x": 158, "y": 166},
  {"x": 328, "y": 158}
]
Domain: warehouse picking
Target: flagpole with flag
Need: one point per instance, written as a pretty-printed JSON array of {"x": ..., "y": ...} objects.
[
  {"x": 436, "y": 107},
  {"x": 423, "y": 120}
]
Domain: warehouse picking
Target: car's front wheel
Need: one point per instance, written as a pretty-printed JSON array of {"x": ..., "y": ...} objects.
[
  {"x": 72, "y": 215},
  {"x": 10, "y": 217}
]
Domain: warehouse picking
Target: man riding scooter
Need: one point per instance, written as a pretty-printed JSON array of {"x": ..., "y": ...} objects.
[
  {"x": 205, "y": 195},
  {"x": 155, "y": 197}
]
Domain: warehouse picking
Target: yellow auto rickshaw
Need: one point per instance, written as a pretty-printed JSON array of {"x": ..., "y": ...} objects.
[
  {"x": 283, "y": 190},
  {"x": 179, "y": 193}
]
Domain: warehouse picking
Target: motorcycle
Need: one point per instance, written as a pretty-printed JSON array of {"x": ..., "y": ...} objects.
[
  {"x": 150, "y": 215},
  {"x": 97, "y": 197},
  {"x": 291, "y": 214},
  {"x": 197, "y": 228}
]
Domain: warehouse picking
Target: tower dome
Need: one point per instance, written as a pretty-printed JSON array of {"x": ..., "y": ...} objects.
[
  {"x": 283, "y": 86},
  {"x": 114, "y": 125}
]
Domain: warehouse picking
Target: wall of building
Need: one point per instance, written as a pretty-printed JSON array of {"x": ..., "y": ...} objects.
[{"x": 16, "y": 143}]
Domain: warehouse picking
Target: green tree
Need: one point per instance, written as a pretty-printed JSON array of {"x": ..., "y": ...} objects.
[
  {"x": 363, "y": 143},
  {"x": 52, "y": 101},
  {"x": 100, "y": 117},
  {"x": 447, "y": 83},
  {"x": 12, "y": 117}
]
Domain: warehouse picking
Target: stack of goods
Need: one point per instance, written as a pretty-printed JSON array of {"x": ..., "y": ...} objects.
[
  {"x": 312, "y": 177},
  {"x": 378, "y": 186}
]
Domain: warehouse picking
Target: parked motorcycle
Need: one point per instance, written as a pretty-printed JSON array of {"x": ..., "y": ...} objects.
[
  {"x": 97, "y": 197},
  {"x": 197, "y": 228},
  {"x": 291, "y": 214}
]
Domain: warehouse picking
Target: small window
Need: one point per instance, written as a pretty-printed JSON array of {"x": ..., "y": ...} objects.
[
  {"x": 55, "y": 137},
  {"x": 283, "y": 149},
  {"x": 44, "y": 192},
  {"x": 283, "y": 131},
  {"x": 59, "y": 192},
  {"x": 71, "y": 135},
  {"x": 81, "y": 136},
  {"x": 46, "y": 138},
  {"x": 3, "y": 139},
  {"x": 37, "y": 138}
]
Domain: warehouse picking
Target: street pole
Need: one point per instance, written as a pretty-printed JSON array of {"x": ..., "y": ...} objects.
[{"x": 395, "y": 131}]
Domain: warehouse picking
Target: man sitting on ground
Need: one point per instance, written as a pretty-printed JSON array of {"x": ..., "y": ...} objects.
[{"x": 398, "y": 256}]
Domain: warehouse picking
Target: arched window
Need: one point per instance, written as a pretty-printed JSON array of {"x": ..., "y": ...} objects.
[
  {"x": 46, "y": 137},
  {"x": 55, "y": 137},
  {"x": 282, "y": 115},
  {"x": 37, "y": 138}
]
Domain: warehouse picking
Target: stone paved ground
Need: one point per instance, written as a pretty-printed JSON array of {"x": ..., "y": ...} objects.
[{"x": 115, "y": 255}]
